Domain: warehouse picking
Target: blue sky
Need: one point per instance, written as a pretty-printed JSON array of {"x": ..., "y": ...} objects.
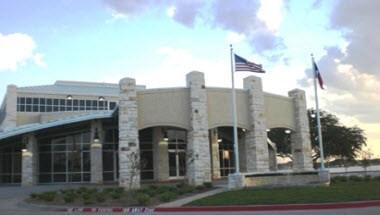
[{"x": 158, "y": 42}]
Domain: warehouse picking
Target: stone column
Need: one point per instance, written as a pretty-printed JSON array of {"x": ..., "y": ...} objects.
[
  {"x": 96, "y": 152},
  {"x": 10, "y": 119},
  {"x": 256, "y": 148},
  {"x": 301, "y": 146},
  {"x": 160, "y": 155},
  {"x": 29, "y": 162},
  {"x": 199, "y": 170},
  {"x": 129, "y": 153},
  {"x": 215, "y": 159}
]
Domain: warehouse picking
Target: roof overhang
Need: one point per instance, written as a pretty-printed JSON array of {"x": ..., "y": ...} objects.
[{"x": 54, "y": 123}]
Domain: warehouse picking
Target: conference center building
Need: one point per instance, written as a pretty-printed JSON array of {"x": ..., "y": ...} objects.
[{"x": 127, "y": 134}]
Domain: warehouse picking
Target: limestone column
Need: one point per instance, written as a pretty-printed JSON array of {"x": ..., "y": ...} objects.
[
  {"x": 160, "y": 155},
  {"x": 29, "y": 162},
  {"x": 256, "y": 148},
  {"x": 129, "y": 153},
  {"x": 96, "y": 152},
  {"x": 199, "y": 170},
  {"x": 215, "y": 159},
  {"x": 10, "y": 119},
  {"x": 301, "y": 146}
]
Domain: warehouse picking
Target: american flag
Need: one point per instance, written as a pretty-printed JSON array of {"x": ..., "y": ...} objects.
[{"x": 242, "y": 64}]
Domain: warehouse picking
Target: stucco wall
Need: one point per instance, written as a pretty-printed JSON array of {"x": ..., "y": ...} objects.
[
  {"x": 220, "y": 108},
  {"x": 168, "y": 107},
  {"x": 279, "y": 111}
]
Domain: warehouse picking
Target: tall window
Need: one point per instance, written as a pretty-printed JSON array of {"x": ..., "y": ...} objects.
[
  {"x": 110, "y": 154},
  {"x": 10, "y": 163},
  {"x": 146, "y": 153},
  {"x": 65, "y": 158}
]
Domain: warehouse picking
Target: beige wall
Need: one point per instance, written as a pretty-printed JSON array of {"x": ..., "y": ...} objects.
[
  {"x": 168, "y": 107},
  {"x": 220, "y": 108},
  {"x": 279, "y": 111}
]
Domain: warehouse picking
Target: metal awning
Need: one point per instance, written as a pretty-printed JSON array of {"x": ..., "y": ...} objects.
[{"x": 53, "y": 123}]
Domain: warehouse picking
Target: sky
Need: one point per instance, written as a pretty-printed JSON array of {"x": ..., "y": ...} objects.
[{"x": 158, "y": 42}]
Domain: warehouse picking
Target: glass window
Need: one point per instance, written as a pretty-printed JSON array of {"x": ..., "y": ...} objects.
[
  {"x": 112, "y": 105},
  {"x": 22, "y": 100},
  {"x": 49, "y": 101},
  {"x": 29, "y": 101},
  {"x": 28, "y": 108},
  {"x": 35, "y": 101},
  {"x": 42, "y": 101},
  {"x": 55, "y": 101}
]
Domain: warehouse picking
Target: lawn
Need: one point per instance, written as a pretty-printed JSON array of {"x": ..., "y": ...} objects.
[{"x": 338, "y": 191}]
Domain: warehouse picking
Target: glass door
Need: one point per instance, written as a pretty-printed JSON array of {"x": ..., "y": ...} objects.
[{"x": 177, "y": 163}]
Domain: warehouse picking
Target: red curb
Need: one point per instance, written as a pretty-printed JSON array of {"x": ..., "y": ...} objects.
[{"x": 271, "y": 207}]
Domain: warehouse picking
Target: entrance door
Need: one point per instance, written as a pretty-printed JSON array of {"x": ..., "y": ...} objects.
[{"x": 177, "y": 163}]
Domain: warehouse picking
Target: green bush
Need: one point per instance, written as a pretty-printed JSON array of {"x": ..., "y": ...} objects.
[
  {"x": 148, "y": 191},
  {"x": 340, "y": 179},
  {"x": 163, "y": 189},
  {"x": 200, "y": 187},
  {"x": 47, "y": 196},
  {"x": 355, "y": 178},
  {"x": 376, "y": 178},
  {"x": 88, "y": 201},
  {"x": 142, "y": 199},
  {"x": 82, "y": 190},
  {"x": 115, "y": 195},
  {"x": 167, "y": 196},
  {"x": 367, "y": 178},
  {"x": 69, "y": 197},
  {"x": 100, "y": 197},
  {"x": 186, "y": 189},
  {"x": 34, "y": 195},
  {"x": 207, "y": 184}
]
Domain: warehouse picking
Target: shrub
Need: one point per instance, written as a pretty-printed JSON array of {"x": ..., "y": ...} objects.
[
  {"x": 116, "y": 195},
  {"x": 377, "y": 178},
  {"x": 34, "y": 195},
  {"x": 82, "y": 190},
  {"x": 148, "y": 191},
  {"x": 142, "y": 199},
  {"x": 88, "y": 201},
  {"x": 200, "y": 187},
  {"x": 47, "y": 196},
  {"x": 100, "y": 197},
  {"x": 340, "y": 179},
  {"x": 69, "y": 197},
  {"x": 186, "y": 189},
  {"x": 207, "y": 184},
  {"x": 163, "y": 189},
  {"x": 355, "y": 178},
  {"x": 167, "y": 196}
]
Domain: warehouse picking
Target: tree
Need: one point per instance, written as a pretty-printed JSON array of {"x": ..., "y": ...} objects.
[{"x": 339, "y": 141}]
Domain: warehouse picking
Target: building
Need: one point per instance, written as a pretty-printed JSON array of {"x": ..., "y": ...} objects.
[{"x": 79, "y": 132}]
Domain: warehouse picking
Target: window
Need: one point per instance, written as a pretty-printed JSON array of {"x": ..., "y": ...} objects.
[{"x": 35, "y": 104}]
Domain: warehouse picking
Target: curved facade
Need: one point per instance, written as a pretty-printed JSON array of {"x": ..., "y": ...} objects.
[{"x": 179, "y": 133}]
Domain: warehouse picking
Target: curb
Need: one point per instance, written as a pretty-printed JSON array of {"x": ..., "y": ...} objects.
[
  {"x": 288, "y": 207},
  {"x": 147, "y": 210}
]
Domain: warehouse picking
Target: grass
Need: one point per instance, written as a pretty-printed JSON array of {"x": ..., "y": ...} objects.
[
  {"x": 336, "y": 192},
  {"x": 116, "y": 196}
]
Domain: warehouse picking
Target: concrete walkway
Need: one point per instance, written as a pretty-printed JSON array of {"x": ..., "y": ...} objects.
[{"x": 184, "y": 201}]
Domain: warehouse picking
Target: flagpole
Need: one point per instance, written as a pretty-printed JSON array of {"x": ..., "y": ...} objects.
[
  {"x": 236, "y": 147},
  {"x": 322, "y": 157}
]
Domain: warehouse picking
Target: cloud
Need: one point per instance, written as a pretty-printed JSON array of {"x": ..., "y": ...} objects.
[
  {"x": 252, "y": 18},
  {"x": 359, "y": 21},
  {"x": 16, "y": 49}
]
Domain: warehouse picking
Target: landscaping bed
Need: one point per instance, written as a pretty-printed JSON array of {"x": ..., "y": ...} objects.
[
  {"x": 117, "y": 196},
  {"x": 342, "y": 189}
]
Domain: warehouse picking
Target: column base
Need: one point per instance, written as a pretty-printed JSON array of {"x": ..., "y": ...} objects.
[{"x": 236, "y": 181}]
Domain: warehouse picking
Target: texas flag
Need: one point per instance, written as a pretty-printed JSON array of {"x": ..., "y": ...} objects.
[{"x": 318, "y": 75}]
